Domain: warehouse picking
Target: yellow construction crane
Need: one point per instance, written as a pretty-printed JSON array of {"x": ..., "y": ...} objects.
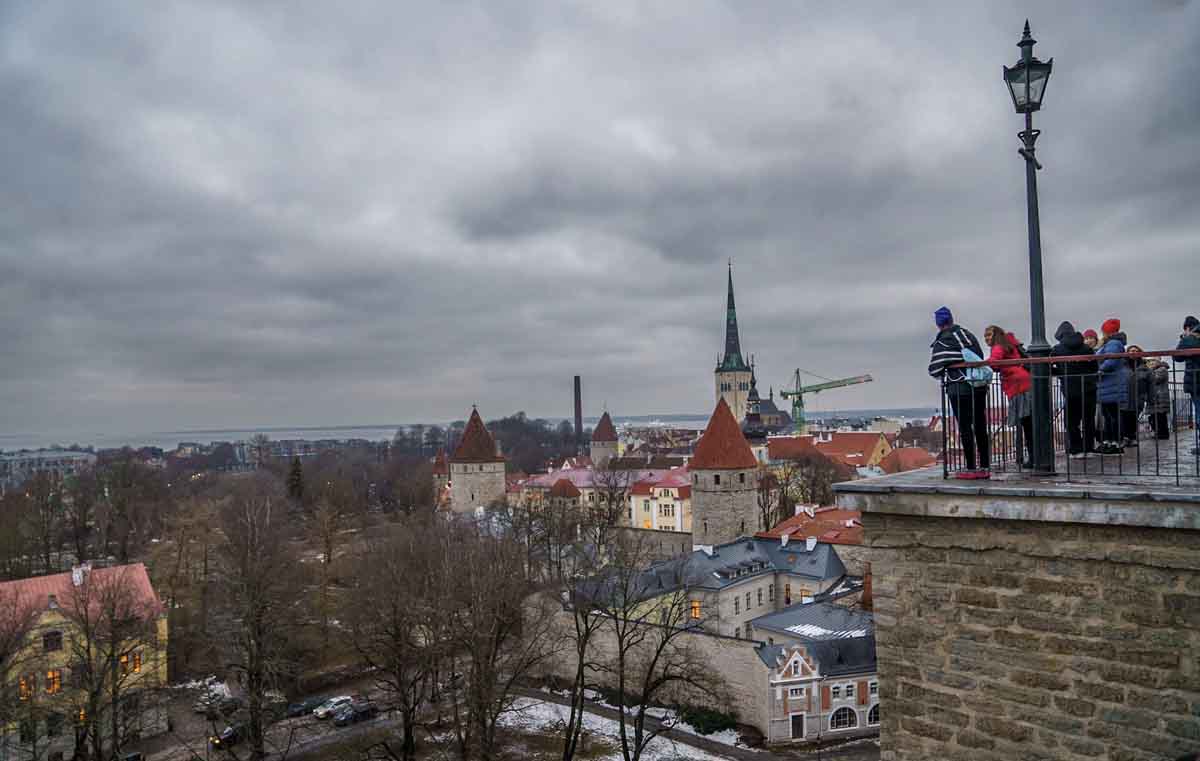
[{"x": 798, "y": 390}]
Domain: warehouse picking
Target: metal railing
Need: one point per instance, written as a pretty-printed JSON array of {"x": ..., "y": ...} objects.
[{"x": 1150, "y": 431}]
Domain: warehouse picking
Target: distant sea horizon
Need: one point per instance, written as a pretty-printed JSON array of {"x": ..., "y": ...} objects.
[{"x": 168, "y": 440}]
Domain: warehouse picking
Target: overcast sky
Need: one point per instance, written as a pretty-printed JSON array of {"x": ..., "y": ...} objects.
[{"x": 282, "y": 213}]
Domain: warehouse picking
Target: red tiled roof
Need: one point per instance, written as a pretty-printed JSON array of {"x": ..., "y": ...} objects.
[
  {"x": 36, "y": 591},
  {"x": 790, "y": 447},
  {"x": 564, "y": 488},
  {"x": 905, "y": 459},
  {"x": 851, "y": 442},
  {"x": 722, "y": 447},
  {"x": 440, "y": 468},
  {"x": 477, "y": 444},
  {"x": 605, "y": 431},
  {"x": 828, "y": 524}
]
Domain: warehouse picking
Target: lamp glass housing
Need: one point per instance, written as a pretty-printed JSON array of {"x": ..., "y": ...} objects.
[{"x": 1027, "y": 97}]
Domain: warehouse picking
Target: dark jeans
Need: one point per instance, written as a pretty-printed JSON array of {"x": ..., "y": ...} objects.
[
  {"x": 1112, "y": 421},
  {"x": 1129, "y": 424},
  {"x": 1161, "y": 428},
  {"x": 970, "y": 410},
  {"x": 1081, "y": 422}
]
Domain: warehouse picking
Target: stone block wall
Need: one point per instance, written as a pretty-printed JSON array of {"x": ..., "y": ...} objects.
[
  {"x": 726, "y": 511},
  {"x": 1007, "y": 639},
  {"x": 474, "y": 484}
]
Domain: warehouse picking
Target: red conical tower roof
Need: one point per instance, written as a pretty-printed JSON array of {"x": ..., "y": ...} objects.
[
  {"x": 605, "y": 430},
  {"x": 722, "y": 447},
  {"x": 477, "y": 444}
]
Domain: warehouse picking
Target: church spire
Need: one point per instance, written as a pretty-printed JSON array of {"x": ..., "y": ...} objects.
[{"x": 732, "y": 361}]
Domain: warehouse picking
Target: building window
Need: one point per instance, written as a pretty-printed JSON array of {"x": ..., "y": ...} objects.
[
  {"x": 736, "y": 606},
  {"x": 737, "y": 632},
  {"x": 53, "y": 681},
  {"x": 52, "y": 641},
  {"x": 836, "y": 692},
  {"x": 849, "y": 691},
  {"x": 131, "y": 662},
  {"x": 843, "y": 718},
  {"x": 26, "y": 684},
  {"x": 873, "y": 688},
  {"x": 760, "y": 595},
  {"x": 741, "y": 478},
  {"x": 796, "y": 668},
  {"x": 873, "y": 715},
  {"x": 716, "y": 479},
  {"x": 695, "y": 609},
  {"x": 787, "y": 594},
  {"x": 28, "y": 731},
  {"x": 706, "y": 527},
  {"x": 770, "y": 593},
  {"x": 54, "y": 722},
  {"x": 646, "y": 505},
  {"x": 796, "y": 692},
  {"x": 747, "y": 601}
]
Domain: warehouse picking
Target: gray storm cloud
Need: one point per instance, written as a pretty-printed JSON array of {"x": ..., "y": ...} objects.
[{"x": 281, "y": 213}]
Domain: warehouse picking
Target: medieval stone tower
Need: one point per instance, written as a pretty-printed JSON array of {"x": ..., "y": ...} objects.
[
  {"x": 604, "y": 442},
  {"x": 476, "y": 469},
  {"x": 724, "y": 482},
  {"x": 732, "y": 373}
]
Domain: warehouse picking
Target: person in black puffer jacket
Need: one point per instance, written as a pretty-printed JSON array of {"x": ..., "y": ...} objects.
[
  {"x": 1190, "y": 339},
  {"x": 1078, "y": 381}
]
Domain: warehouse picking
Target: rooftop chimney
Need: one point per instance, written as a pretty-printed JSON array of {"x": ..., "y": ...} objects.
[
  {"x": 578, "y": 416},
  {"x": 783, "y": 539}
]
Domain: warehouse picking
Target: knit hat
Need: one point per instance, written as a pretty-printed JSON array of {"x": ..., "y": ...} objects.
[
  {"x": 1110, "y": 326},
  {"x": 943, "y": 317},
  {"x": 1064, "y": 330},
  {"x": 1191, "y": 323},
  {"x": 1089, "y": 333}
]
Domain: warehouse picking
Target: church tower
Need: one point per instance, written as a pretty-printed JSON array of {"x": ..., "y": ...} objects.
[
  {"x": 753, "y": 427},
  {"x": 733, "y": 374},
  {"x": 476, "y": 469},
  {"x": 724, "y": 482}
]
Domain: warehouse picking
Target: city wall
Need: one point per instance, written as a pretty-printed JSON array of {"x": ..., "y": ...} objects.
[{"x": 1016, "y": 626}]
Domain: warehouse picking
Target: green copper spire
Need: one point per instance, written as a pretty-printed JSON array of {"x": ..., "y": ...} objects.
[{"x": 732, "y": 361}]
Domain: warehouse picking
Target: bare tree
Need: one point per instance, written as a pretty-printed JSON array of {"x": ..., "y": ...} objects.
[
  {"x": 260, "y": 450},
  {"x": 494, "y": 633},
  {"x": 83, "y": 492},
  {"x": 20, "y": 615},
  {"x": 113, "y": 653},
  {"x": 768, "y": 498},
  {"x": 611, "y": 486},
  {"x": 651, "y": 614},
  {"x": 392, "y": 633},
  {"x": 258, "y": 583},
  {"x": 44, "y": 492}
]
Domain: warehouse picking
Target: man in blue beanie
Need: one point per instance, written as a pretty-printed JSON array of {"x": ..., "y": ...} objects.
[{"x": 968, "y": 401}]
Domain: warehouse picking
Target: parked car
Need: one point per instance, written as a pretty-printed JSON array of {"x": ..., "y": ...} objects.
[
  {"x": 209, "y": 700},
  {"x": 354, "y": 713},
  {"x": 304, "y": 707},
  {"x": 331, "y": 706},
  {"x": 229, "y": 736}
]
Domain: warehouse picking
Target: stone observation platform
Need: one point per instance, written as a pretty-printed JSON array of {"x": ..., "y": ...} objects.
[{"x": 1035, "y": 617}]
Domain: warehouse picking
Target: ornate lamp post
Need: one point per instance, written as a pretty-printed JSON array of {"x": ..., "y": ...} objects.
[{"x": 1027, "y": 84}]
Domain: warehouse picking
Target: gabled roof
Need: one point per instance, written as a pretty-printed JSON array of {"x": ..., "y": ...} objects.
[
  {"x": 722, "y": 447},
  {"x": 36, "y": 591},
  {"x": 828, "y": 524},
  {"x": 841, "y": 657},
  {"x": 563, "y": 488},
  {"x": 604, "y": 431},
  {"x": 790, "y": 447},
  {"x": 477, "y": 444},
  {"x": 905, "y": 459}
]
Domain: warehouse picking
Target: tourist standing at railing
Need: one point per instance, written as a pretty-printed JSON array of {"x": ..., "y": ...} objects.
[
  {"x": 1091, "y": 340},
  {"x": 1016, "y": 383},
  {"x": 1078, "y": 381},
  {"x": 1158, "y": 399},
  {"x": 1190, "y": 339},
  {"x": 1141, "y": 386},
  {"x": 967, "y": 401},
  {"x": 1113, "y": 387}
]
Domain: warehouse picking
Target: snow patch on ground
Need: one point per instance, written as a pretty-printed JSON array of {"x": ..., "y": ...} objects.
[
  {"x": 530, "y": 714},
  {"x": 208, "y": 684}
]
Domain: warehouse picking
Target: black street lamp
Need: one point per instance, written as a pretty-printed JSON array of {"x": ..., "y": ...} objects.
[{"x": 1027, "y": 84}]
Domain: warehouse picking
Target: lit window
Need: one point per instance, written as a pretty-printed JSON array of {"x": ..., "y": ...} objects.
[
  {"x": 843, "y": 718},
  {"x": 137, "y": 662},
  {"x": 53, "y": 681},
  {"x": 26, "y": 684},
  {"x": 695, "y": 609}
]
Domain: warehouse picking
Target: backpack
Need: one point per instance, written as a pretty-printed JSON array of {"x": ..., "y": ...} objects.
[{"x": 979, "y": 377}]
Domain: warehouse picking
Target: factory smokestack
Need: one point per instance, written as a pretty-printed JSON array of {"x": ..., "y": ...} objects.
[{"x": 578, "y": 417}]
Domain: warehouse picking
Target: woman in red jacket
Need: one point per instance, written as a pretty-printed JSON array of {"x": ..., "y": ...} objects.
[{"x": 1016, "y": 384}]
